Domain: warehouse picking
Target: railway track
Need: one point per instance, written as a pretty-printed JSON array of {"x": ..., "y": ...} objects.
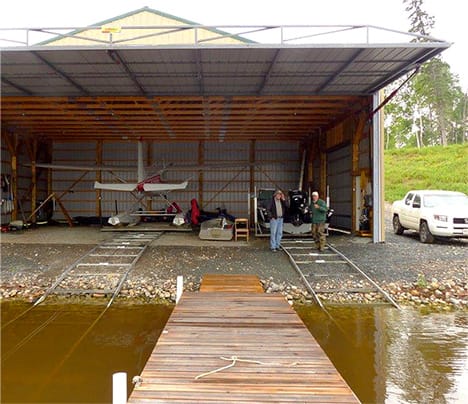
[
  {"x": 330, "y": 277},
  {"x": 107, "y": 265},
  {"x": 102, "y": 271}
]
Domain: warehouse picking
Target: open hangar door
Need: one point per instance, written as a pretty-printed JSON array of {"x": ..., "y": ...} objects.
[{"x": 245, "y": 102}]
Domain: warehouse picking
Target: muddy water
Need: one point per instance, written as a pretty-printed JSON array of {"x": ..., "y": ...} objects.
[
  {"x": 42, "y": 361},
  {"x": 384, "y": 354},
  {"x": 392, "y": 356}
]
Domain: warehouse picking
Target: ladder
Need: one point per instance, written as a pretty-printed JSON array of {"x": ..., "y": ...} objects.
[
  {"x": 103, "y": 270},
  {"x": 330, "y": 275}
]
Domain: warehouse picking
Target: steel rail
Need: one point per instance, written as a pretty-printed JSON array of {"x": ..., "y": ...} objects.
[
  {"x": 115, "y": 291},
  {"x": 315, "y": 296},
  {"x": 345, "y": 260},
  {"x": 352, "y": 264},
  {"x": 63, "y": 276},
  {"x": 304, "y": 279}
]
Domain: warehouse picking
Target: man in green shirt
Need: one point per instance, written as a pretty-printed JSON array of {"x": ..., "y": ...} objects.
[{"x": 318, "y": 209}]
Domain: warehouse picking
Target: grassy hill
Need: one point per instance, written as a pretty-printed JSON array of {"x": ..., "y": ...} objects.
[{"x": 434, "y": 167}]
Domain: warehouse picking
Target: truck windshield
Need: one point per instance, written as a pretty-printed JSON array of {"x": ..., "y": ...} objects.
[{"x": 432, "y": 201}]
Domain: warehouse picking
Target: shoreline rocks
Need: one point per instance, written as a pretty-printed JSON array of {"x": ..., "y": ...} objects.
[{"x": 445, "y": 295}]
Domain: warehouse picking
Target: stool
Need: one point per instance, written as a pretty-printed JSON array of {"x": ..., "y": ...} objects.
[{"x": 241, "y": 228}]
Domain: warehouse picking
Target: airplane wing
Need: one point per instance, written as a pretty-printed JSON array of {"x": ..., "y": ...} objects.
[
  {"x": 210, "y": 166},
  {"x": 161, "y": 187},
  {"x": 127, "y": 187},
  {"x": 115, "y": 187},
  {"x": 83, "y": 168}
]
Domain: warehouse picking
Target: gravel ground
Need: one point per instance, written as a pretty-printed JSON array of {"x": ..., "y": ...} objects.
[{"x": 411, "y": 271}]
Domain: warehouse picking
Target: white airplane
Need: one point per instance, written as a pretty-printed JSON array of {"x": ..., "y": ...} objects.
[{"x": 151, "y": 184}]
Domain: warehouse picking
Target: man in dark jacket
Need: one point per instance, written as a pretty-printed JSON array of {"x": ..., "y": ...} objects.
[
  {"x": 277, "y": 209},
  {"x": 318, "y": 209}
]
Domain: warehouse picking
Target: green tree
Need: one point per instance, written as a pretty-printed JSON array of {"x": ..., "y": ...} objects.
[{"x": 431, "y": 108}]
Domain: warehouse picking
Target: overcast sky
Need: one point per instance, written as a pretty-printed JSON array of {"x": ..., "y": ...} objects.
[{"x": 450, "y": 16}]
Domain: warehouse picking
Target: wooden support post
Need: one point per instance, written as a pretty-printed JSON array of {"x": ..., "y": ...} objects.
[
  {"x": 49, "y": 181},
  {"x": 31, "y": 147},
  {"x": 149, "y": 163},
  {"x": 323, "y": 165},
  {"x": 12, "y": 144},
  {"x": 252, "y": 178},
  {"x": 201, "y": 161},
  {"x": 312, "y": 153},
  {"x": 310, "y": 171},
  {"x": 47, "y": 148},
  {"x": 98, "y": 178},
  {"x": 357, "y": 137}
]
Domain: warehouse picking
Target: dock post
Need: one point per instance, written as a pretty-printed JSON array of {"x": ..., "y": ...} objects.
[
  {"x": 180, "y": 287},
  {"x": 119, "y": 388}
]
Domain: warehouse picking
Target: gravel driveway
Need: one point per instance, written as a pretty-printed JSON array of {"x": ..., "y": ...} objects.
[{"x": 33, "y": 259}]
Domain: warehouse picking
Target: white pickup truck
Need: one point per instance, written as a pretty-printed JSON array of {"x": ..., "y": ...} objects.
[{"x": 432, "y": 214}]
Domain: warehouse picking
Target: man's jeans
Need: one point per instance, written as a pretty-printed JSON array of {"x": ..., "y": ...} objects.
[{"x": 276, "y": 232}]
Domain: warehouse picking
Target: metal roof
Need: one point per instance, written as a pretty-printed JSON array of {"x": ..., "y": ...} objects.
[
  {"x": 227, "y": 71},
  {"x": 207, "y": 69}
]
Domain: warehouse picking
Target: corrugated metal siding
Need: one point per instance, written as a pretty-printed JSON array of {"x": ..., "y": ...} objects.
[
  {"x": 226, "y": 187},
  {"x": 81, "y": 199},
  {"x": 118, "y": 154},
  {"x": 339, "y": 165},
  {"x": 316, "y": 174},
  {"x": 5, "y": 160},
  {"x": 177, "y": 154},
  {"x": 280, "y": 165}
]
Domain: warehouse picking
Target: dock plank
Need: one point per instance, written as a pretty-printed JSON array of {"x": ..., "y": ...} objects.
[
  {"x": 251, "y": 326},
  {"x": 231, "y": 283}
]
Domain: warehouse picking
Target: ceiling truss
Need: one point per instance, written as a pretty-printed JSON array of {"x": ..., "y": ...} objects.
[{"x": 175, "y": 118}]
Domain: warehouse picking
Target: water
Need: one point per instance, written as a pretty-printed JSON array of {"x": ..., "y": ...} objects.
[
  {"x": 48, "y": 365},
  {"x": 392, "y": 356},
  {"x": 384, "y": 354}
]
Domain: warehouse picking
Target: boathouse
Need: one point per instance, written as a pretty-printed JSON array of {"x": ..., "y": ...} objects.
[{"x": 284, "y": 105}]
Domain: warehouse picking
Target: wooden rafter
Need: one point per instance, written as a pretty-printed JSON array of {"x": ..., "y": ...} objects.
[{"x": 177, "y": 118}]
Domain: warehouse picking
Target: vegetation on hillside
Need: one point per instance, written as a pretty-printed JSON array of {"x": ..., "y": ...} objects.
[{"x": 434, "y": 167}]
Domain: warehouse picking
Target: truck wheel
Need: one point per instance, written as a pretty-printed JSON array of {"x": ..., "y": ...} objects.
[
  {"x": 397, "y": 227},
  {"x": 425, "y": 235}
]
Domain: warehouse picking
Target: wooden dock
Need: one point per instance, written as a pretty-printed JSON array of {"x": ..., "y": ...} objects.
[{"x": 229, "y": 346}]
